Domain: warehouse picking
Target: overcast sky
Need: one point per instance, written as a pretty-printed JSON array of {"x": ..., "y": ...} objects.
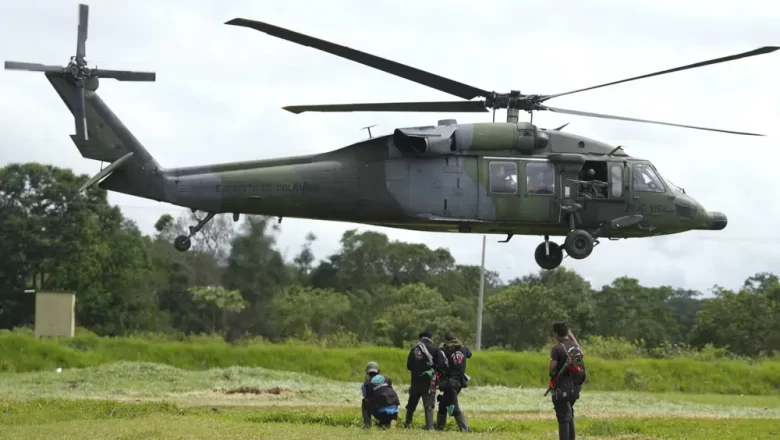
[{"x": 220, "y": 90}]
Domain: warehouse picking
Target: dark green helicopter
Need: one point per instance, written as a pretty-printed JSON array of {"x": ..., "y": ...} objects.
[{"x": 512, "y": 177}]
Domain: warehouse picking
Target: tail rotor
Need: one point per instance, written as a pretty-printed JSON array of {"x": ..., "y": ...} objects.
[{"x": 81, "y": 75}]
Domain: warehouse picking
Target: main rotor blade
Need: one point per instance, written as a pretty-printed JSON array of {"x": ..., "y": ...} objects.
[
  {"x": 447, "y": 85},
  {"x": 434, "y": 106},
  {"x": 622, "y": 118},
  {"x": 81, "y": 44},
  {"x": 35, "y": 67},
  {"x": 759, "y": 51},
  {"x": 79, "y": 114},
  {"x": 125, "y": 75}
]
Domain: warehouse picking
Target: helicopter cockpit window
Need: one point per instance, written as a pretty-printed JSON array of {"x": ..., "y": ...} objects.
[
  {"x": 541, "y": 178},
  {"x": 646, "y": 180},
  {"x": 671, "y": 185},
  {"x": 503, "y": 177},
  {"x": 616, "y": 180}
]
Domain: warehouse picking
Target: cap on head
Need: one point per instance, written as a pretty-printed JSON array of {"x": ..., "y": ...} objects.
[
  {"x": 425, "y": 334},
  {"x": 449, "y": 336},
  {"x": 372, "y": 367}
]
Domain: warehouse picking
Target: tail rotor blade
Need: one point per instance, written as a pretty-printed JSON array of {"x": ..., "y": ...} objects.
[
  {"x": 79, "y": 113},
  {"x": 125, "y": 75},
  {"x": 35, "y": 67},
  {"x": 81, "y": 45}
]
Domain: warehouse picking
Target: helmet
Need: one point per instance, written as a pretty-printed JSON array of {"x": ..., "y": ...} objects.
[{"x": 372, "y": 367}]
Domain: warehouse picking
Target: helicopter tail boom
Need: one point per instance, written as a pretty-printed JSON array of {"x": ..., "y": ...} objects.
[{"x": 132, "y": 170}]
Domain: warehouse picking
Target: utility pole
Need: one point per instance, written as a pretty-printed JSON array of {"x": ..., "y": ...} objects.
[{"x": 481, "y": 295}]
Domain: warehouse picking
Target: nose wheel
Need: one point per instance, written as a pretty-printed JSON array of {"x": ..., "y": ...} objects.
[{"x": 182, "y": 243}]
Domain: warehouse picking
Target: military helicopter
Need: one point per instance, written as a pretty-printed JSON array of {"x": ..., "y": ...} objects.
[{"x": 512, "y": 177}]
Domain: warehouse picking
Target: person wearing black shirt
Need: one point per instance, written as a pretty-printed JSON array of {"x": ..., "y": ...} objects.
[
  {"x": 424, "y": 360},
  {"x": 379, "y": 398},
  {"x": 566, "y": 388},
  {"x": 453, "y": 379}
]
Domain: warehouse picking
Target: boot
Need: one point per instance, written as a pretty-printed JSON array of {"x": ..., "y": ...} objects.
[
  {"x": 366, "y": 418},
  {"x": 441, "y": 420},
  {"x": 461, "y": 420},
  {"x": 428, "y": 419},
  {"x": 408, "y": 422},
  {"x": 564, "y": 431}
]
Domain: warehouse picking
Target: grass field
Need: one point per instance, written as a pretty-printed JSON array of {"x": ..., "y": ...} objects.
[
  {"x": 142, "y": 388},
  {"x": 137, "y": 400},
  {"x": 23, "y": 353}
]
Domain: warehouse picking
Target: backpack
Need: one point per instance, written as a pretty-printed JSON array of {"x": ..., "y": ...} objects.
[{"x": 575, "y": 366}]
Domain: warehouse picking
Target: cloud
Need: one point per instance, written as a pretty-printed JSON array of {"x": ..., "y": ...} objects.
[{"x": 220, "y": 90}]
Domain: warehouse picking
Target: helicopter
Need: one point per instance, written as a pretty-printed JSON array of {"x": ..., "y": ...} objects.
[{"x": 512, "y": 177}]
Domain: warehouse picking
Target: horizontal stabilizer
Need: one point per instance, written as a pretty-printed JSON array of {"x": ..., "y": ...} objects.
[
  {"x": 105, "y": 172},
  {"x": 98, "y": 149}
]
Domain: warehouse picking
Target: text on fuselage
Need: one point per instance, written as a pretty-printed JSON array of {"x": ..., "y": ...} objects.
[{"x": 301, "y": 187}]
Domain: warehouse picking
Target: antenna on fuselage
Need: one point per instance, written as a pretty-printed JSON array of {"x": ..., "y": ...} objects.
[{"x": 369, "y": 129}]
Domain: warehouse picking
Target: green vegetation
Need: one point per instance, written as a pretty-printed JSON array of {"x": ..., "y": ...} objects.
[
  {"x": 232, "y": 386},
  {"x": 236, "y": 283},
  {"x": 24, "y": 353},
  {"x": 178, "y": 345},
  {"x": 69, "y": 419}
]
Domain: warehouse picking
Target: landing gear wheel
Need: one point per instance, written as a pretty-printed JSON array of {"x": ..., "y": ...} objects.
[
  {"x": 182, "y": 243},
  {"x": 578, "y": 244},
  {"x": 551, "y": 261}
]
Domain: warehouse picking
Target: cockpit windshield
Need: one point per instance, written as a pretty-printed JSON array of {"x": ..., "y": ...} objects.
[
  {"x": 646, "y": 179},
  {"x": 671, "y": 184}
]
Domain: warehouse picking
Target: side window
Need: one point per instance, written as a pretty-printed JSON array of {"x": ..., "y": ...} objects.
[
  {"x": 540, "y": 178},
  {"x": 616, "y": 180},
  {"x": 646, "y": 180},
  {"x": 503, "y": 177}
]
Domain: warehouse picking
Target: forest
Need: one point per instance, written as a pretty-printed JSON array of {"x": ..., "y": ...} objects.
[{"x": 235, "y": 283}]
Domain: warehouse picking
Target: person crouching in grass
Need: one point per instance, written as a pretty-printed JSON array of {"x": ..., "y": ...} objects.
[{"x": 379, "y": 398}]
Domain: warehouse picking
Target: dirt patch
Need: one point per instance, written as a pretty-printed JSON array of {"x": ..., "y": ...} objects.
[{"x": 276, "y": 391}]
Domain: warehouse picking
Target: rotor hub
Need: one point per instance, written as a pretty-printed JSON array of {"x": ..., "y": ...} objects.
[
  {"x": 83, "y": 77},
  {"x": 78, "y": 70}
]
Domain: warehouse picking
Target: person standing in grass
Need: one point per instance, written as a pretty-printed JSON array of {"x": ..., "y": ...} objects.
[
  {"x": 424, "y": 360},
  {"x": 379, "y": 398},
  {"x": 567, "y": 374},
  {"x": 453, "y": 379}
]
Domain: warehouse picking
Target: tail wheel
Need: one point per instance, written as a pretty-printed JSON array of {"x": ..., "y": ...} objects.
[{"x": 182, "y": 243}]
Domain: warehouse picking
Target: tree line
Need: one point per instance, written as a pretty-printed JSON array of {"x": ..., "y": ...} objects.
[{"x": 235, "y": 282}]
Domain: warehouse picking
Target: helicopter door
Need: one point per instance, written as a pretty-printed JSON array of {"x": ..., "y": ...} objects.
[
  {"x": 539, "y": 187},
  {"x": 603, "y": 186},
  {"x": 603, "y": 181},
  {"x": 502, "y": 200}
]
